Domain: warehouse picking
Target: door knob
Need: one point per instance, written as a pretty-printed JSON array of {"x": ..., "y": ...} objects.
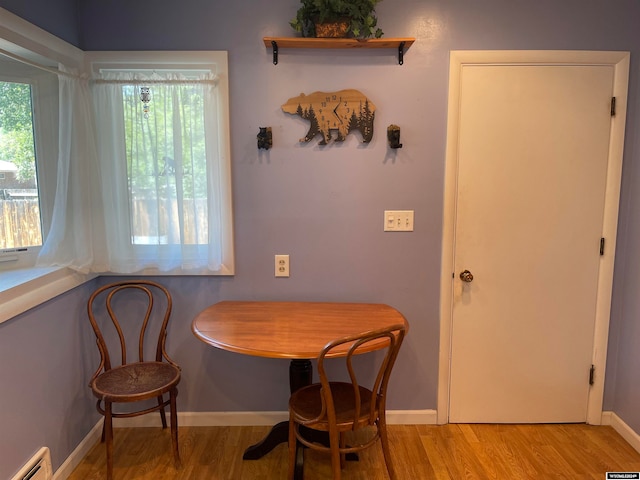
[{"x": 466, "y": 276}]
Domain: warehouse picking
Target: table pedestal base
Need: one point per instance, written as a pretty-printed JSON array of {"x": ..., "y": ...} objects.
[{"x": 278, "y": 434}]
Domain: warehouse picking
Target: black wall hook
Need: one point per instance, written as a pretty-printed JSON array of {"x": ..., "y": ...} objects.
[
  {"x": 265, "y": 138},
  {"x": 393, "y": 135}
]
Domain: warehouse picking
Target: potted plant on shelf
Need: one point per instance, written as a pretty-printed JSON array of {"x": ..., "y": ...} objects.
[{"x": 337, "y": 18}]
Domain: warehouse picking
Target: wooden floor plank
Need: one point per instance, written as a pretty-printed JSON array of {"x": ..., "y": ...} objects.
[{"x": 420, "y": 452}]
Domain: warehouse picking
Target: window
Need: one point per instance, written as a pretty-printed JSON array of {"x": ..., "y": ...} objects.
[
  {"x": 28, "y": 130},
  {"x": 166, "y": 164},
  {"x": 163, "y": 155},
  {"x": 135, "y": 177},
  {"x": 19, "y": 206},
  {"x": 31, "y": 56}
]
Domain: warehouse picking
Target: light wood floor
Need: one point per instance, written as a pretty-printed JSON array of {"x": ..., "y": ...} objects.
[{"x": 420, "y": 452}]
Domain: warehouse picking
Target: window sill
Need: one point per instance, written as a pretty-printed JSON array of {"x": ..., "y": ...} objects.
[{"x": 23, "y": 289}]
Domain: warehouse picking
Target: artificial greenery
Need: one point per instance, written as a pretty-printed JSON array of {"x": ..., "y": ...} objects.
[{"x": 361, "y": 15}]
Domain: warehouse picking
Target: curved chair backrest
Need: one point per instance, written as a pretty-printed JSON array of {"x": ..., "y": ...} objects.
[
  {"x": 391, "y": 338},
  {"x": 119, "y": 291}
]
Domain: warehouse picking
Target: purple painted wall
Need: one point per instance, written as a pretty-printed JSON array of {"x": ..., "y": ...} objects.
[
  {"x": 59, "y": 17},
  {"x": 44, "y": 362},
  {"x": 323, "y": 205}
]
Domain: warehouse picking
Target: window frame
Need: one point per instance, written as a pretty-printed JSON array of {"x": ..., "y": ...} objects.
[
  {"x": 22, "y": 288},
  {"x": 44, "y": 105},
  {"x": 181, "y": 61}
]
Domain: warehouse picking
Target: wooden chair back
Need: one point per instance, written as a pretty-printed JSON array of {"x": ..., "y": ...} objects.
[
  {"x": 154, "y": 296},
  {"x": 392, "y": 337}
]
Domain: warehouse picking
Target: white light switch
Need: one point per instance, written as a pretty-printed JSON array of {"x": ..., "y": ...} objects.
[{"x": 398, "y": 220}]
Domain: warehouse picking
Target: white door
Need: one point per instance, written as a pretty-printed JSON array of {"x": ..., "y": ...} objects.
[{"x": 533, "y": 148}]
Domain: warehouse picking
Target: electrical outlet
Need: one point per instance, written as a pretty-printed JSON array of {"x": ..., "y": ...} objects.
[
  {"x": 282, "y": 265},
  {"x": 398, "y": 220}
]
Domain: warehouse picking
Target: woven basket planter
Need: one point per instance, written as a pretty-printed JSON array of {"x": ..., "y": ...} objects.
[{"x": 336, "y": 29}]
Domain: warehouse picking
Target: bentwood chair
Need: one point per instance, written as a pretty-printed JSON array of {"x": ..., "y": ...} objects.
[
  {"x": 340, "y": 407},
  {"x": 141, "y": 308}
]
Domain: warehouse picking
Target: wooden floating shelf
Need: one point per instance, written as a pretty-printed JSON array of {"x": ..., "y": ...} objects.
[
  {"x": 343, "y": 43},
  {"x": 301, "y": 42}
]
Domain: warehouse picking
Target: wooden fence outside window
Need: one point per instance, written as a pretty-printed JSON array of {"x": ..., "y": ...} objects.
[{"x": 20, "y": 223}]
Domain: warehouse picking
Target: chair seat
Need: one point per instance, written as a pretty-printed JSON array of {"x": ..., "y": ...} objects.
[
  {"x": 306, "y": 404},
  {"x": 135, "y": 381}
]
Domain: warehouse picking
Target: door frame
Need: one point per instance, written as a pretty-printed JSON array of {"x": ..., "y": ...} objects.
[{"x": 458, "y": 59}]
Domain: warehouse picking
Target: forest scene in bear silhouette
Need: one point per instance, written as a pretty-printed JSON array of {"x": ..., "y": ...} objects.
[{"x": 330, "y": 113}]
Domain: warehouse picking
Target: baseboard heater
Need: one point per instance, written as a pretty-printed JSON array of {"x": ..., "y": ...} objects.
[{"x": 37, "y": 468}]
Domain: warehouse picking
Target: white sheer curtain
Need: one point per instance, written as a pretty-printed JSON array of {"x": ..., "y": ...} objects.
[
  {"x": 158, "y": 165},
  {"x": 75, "y": 238},
  {"x": 139, "y": 187}
]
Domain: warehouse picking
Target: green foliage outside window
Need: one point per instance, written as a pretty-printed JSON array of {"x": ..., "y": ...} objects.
[
  {"x": 152, "y": 162},
  {"x": 16, "y": 129}
]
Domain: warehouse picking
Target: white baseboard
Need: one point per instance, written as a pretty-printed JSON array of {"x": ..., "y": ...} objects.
[
  {"x": 625, "y": 431},
  {"x": 206, "y": 419},
  {"x": 79, "y": 453},
  {"x": 213, "y": 419},
  {"x": 412, "y": 417}
]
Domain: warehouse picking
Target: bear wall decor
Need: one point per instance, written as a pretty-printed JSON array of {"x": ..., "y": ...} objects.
[{"x": 334, "y": 112}]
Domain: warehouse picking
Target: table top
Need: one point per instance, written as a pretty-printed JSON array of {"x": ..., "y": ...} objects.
[{"x": 294, "y": 330}]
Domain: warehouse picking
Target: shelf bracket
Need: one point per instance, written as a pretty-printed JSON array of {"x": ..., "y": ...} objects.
[
  {"x": 401, "y": 53},
  {"x": 274, "y": 45}
]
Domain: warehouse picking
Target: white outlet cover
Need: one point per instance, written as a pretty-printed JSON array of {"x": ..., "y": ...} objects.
[{"x": 282, "y": 265}]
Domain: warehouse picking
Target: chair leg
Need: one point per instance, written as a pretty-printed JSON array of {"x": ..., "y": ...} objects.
[
  {"x": 108, "y": 434},
  {"x": 174, "y": 426},
  {"x": 334, "y": 445},
  {"x": 343, "y": 444},
  {"x": 163, "y": 416},
  {"x": 384, "y": 441},
  {"x": 292, "y": 448},
  {"x": 102, "y": 436}
]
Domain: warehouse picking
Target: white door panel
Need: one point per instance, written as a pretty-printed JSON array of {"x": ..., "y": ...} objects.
[{"x": 533, "y": 147}]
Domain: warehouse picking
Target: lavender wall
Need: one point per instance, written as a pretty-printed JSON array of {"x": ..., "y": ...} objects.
[
  {"x": 59, "y": 17},
  {"x": 323, "y": 205},
  {"x": 45, "y": 360}
]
